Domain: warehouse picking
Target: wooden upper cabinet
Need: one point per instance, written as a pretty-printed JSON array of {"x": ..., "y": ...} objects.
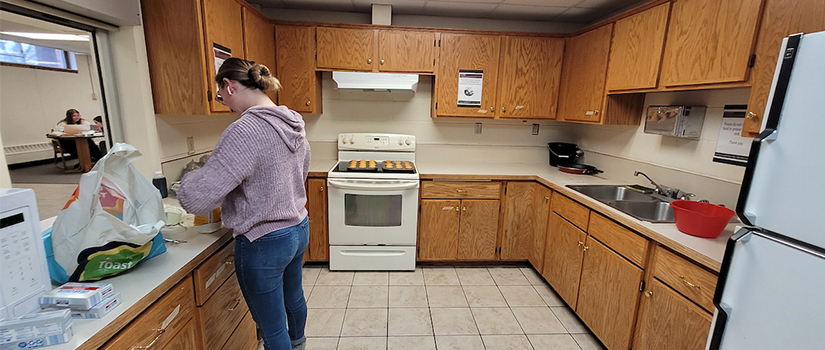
[
  {"x": 563, "y": 258},
  {"x": 259, "y": 43},
  {"x": 406, "y": 51},
  {"x": 295, "y": 59},
  {"x": 530, "y": 77},
  {"x": 470, "y": 52},
  {"x": 175, "y": 52},
  {"x": 438, "y": 229},
  {"x": 318, "y": 222},
  {"x": 224, "y": 27},
  {"x": 669, "y": 321},
  {"x": 346, "y": 49},
  {"x": 478, "y": 229},
  {"x": 583, "y": 76},
  {"x": 636, "y": 50},
  {"x": 710, "y": 41},
  {"x": 781, "y": 18},
  {"x": 608, "y": 294}
]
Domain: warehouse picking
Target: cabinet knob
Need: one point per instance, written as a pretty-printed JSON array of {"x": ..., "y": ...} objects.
[
  {"x": 369, "y": 60},
  {"x": 502, "y": 109},
  {"x": 547, "y": 198},
  {"x": 649, "y": 293},
  {"x": 492, "y": 109},
  {"x": 322, "y": 189},
  {"x": 586, "y": 248},
  {"x": 382, "y": 61},
  {"x": 308, "y": 102},
  {"x": 581, "y": 244},
  {"x": 751, "y": 116},
  {"x": 463, "y": 208},
  {"x": 456, "y": 209}
]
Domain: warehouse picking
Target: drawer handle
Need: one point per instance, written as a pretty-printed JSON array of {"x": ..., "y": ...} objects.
[
  {"x": 581, "y": 244},
  {"x": 691, "y": 285},
  {"x": 229, "y": 262},
  {"x": 237, "y": 303},
  {"x": 460, "y": 191},
  {"x": 151, "y": 344}
]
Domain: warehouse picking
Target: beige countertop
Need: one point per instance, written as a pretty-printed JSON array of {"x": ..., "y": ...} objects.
[
  {"x": 320, "y": 167},
  {"x": 148, "y": 281},
  {"x": 708, "y": 252}
]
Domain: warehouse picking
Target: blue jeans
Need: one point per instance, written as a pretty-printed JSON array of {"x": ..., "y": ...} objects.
[{"x": 269, "y": 273}]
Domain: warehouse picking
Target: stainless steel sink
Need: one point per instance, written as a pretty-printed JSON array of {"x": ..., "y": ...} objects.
[{"x": 646, "y": 207}]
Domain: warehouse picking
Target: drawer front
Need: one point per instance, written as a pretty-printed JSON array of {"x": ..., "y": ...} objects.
[
  {"x": 174, "y": 310},
  {"x": 209, "y": 276},
  {"x": 686, "y": 277},
  {"x": 617, "y": 237},
  {"x": 571, "y": 210},
  {"x": 222, "y": 313},
  {"x": 491, "y": 190},
  {"x": 245, "y": 336}
]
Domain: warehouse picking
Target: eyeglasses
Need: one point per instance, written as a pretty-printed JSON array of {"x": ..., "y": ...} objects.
[{"x": 219, "y": 98}]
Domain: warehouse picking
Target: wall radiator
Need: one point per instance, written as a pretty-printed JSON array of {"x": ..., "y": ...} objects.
[{"x": 27, "y": 153}]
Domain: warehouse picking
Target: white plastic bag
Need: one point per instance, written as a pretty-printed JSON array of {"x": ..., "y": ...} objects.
[{"x": 91, "y": 242}]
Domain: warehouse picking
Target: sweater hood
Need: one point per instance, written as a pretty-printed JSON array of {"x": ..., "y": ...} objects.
[{"x": 286, "y": 122}]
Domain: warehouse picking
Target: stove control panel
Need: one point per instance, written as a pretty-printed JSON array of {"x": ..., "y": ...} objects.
[{"x": 384, "y": 142}]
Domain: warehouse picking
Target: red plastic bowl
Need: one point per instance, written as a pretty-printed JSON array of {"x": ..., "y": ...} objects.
[{"x": 701, "y": 219}]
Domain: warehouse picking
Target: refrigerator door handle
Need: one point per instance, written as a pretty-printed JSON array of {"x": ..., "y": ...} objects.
[{"x": 780, "y": 89}]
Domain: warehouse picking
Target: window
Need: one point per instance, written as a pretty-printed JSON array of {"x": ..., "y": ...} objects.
[{"x": 37, "y": 56}]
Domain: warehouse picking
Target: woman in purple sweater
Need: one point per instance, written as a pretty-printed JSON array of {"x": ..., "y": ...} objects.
[{"x": 256, "y": 175}]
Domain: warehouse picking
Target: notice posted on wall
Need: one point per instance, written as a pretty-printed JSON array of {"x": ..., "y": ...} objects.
[
  {"x": 221, "y": 54},
  {"x": 470, "y": 83},
  {"x": 731, "y": 147}
]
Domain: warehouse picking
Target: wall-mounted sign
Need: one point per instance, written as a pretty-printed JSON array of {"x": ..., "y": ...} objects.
[
  {"x": 731, "y": 147},
  {"x": 470, "y": 83},
  {"x": 221, "y": 54}
]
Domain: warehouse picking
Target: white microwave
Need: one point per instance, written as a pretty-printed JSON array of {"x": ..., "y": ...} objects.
[
  {"x": 675, "y": 121},
  {"x": 23, "y": 268}
]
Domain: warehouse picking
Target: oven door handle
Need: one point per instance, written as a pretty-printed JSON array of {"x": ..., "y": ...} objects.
[{"x": 393, "y": 186}]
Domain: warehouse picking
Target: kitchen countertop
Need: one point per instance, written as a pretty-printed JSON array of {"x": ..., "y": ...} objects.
[
  {"x": 320, "y": 167},
  {"x": 707, "y": 252},
  {"x": 148, "y": 281}
]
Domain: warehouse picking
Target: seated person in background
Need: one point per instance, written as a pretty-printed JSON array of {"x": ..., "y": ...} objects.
[
  {"x": 73, "y": 118},
  {"x": 98, "y": 125}
]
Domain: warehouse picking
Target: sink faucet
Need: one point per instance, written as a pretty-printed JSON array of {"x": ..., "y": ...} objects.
[{"x": 670, "y": 192}]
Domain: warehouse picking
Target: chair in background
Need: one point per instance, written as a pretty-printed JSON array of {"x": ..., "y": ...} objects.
[{"x": 59, "y": 152}]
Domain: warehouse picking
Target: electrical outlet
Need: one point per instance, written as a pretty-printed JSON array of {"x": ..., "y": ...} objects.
[
  {"x": 94, "y": 96},
  {"x": 535, "y": 129},
  {"x": 477, "y": 129},
  {"x": 190, "y": 145}
]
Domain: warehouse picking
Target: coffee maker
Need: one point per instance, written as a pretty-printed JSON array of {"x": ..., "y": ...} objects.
[{"x": 563, "y": 153}]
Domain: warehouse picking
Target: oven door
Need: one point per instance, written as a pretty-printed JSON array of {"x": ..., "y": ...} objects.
[{"x": 372, "y": 212}]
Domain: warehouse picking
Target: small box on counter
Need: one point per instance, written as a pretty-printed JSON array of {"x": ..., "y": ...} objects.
[
  {"x": 78, "y": 296},
  {"x": 36, "y": 330},
  {"x": 98, "y": 311}
]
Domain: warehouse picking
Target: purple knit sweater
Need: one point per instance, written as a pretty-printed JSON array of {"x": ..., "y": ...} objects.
[{"x": 256, "y": 174}]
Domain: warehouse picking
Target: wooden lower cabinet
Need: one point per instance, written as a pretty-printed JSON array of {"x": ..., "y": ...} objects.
[
  {"x": 478, "y": 229},
  {"x": 668, "y": 320},
  {"x": 563, "y": 258},
  {"x": 318, "y": 248},
  {"x": 221, "y": 313},
  {"x": 186, "y": 339},
  {"x": 438, "y": 229},
  {"x": 608, "y": 294},
  {"x": 525, "y": 225},
  {"x": 245, "y": 336}
]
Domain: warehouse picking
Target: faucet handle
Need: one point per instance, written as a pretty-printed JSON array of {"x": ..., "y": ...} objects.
[{"x": 686, "y": 196}]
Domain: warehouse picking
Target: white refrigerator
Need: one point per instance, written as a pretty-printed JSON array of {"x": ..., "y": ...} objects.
[{"x": 771, "y": 289}]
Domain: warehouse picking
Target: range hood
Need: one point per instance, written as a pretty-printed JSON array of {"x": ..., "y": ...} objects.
[{"x": 375, "y": 81}]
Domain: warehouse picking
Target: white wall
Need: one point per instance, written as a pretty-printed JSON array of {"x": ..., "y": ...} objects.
[
  {"x": 440, "y": 139},
  {"x": 32, "y": 101}
]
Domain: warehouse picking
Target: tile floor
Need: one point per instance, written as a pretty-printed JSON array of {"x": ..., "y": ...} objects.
[
  {"x": 444, "y": 308},
  {"x": 51, "y": 198}
]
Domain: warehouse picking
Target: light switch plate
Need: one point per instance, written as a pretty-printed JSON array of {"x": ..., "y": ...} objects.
[
  {"x": 535, "y": 129},
  {"x": 190, "y": 145},
  {"x": 477, "y": 129}
]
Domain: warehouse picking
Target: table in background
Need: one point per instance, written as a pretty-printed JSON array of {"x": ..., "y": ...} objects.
[{"x": 83, "y": 154}]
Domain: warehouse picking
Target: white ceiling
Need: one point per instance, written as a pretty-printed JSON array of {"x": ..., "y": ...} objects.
[
  {"x": 11, "y": 22},
  {"x": 572, "y": 11}
]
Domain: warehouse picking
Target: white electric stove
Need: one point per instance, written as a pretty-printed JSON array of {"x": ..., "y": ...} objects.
[{"x": 373, "y": 203}]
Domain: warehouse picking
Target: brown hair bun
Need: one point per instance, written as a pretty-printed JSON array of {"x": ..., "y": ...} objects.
[{"x": 262, "y": 78}]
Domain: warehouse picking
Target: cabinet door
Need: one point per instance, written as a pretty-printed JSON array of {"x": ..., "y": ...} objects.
[
  {"x": 186, "y": 339},
  {"x": 669, "y": 321},
  {"x": 608, "y": 294},
  {"x": 222, "y": 21},
  {"x": 584, "y": 74},
  {"x": 709, "y": 41},
  {"x": 542, "y": 212},
  {"x": 318, "y": 224},
  {"x": 520, "y": 221},
  {"x": 174, "y": 50},
  {"x": 636, "y": 50},
  {"x": 245, "y": 336},
  {"x": 259, "y": 43},
  {"x": 350, "y": 49},
  {"x": 438, "y": 229},
  {"x": 406, "y": 51},
  {"x": 467, "y": 52},
  {"x": 295, "y": 57},
  {"x": 563, "y": 258},
  {"x": 530, "y": 77},
  {"x": 478, "y": 229},
  {"x": 781, "y": 18}
]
